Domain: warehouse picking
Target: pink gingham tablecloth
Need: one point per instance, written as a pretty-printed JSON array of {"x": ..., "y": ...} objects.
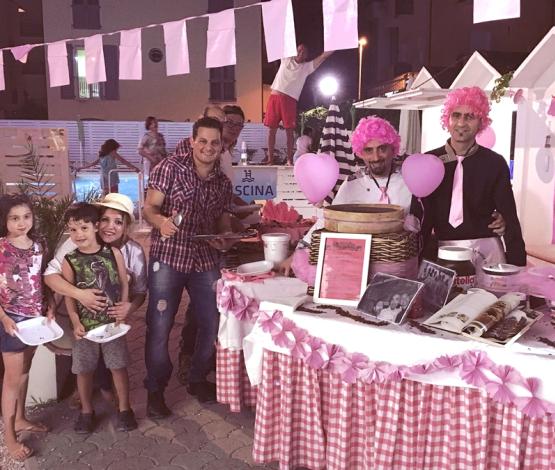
[
  {"x": 233, "y": 385},
  {"x": 311, "y": 418}
]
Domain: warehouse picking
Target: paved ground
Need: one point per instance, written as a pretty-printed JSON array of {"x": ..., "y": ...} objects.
[{"x": 195, "y": 437}]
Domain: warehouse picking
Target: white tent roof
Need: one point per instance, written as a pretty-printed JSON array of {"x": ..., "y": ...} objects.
[
  {"x": 538, "y": 69},
  {"x": 424, "y": 93},
  {"x": 476, "y": 72}
]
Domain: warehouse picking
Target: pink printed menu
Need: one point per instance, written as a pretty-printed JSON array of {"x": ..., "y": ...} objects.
[{"x": 343, "y": 269}]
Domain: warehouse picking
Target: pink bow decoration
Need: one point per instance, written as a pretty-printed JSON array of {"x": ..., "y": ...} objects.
[
  {"x": 472, "y": 363},
  {"x": 376, "y": 372},
  {"x": 421, "y": 369},
  {"x": 231, "y": 300},
  {"x": 301, "y": 349},
  {"x": 285, "y": 338},
  {"x": 337, "y": 353},
  {"x": 319, "y": 354},
  {"x": 398, "y": 373},
  {"x": 500, "y": 391},
  {"x": 270, "y": 322},
  {"x": 533, "y": 406},
  {"x": 446, "y": 362},
  {"x": 350, "y": 366}
]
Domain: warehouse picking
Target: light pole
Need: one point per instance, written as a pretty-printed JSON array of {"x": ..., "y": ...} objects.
[{"x": 361, "y": 43}]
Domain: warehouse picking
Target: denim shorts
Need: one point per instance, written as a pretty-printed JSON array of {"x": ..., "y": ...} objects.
[{"x": 10, "y": 343}]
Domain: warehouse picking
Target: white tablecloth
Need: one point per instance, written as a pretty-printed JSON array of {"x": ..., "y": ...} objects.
[{"x": 399, "y": 345}]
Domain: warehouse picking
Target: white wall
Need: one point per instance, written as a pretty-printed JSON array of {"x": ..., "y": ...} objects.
[{"x": 535, "y": 192}]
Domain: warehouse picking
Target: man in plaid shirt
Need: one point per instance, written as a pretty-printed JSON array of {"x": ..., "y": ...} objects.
[{"x": 194, "y": 186}]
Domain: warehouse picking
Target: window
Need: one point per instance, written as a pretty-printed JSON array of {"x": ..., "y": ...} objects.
[
  {"x": 404, "y": 7},
  {"x": 222, "y": 83},
  {"x": 79, "y": 88},
  {"x": 86, "y": 14},
  {"x": 215, "y": 6}
]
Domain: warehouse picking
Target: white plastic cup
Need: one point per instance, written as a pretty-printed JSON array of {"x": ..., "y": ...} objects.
[{"x": 276, "y": 247}]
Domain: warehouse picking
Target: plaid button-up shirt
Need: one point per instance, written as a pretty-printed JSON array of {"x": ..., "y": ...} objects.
[{"x": 201, "y": 202}]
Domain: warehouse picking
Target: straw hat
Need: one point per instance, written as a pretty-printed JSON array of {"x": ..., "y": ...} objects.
[{"x": 119, "y": 202}]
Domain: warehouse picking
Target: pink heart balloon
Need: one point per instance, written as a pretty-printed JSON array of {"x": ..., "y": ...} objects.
[
  {"x": 422, "y": 173},
  {"x": 486, "y": 138},
  {"x": 316, "y": 175}
]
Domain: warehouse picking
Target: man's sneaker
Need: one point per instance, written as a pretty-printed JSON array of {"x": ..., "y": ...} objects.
[
  {"x": 126, "y": 421},
  {"x": 156, "y": 406},
  {"x": 84, "y": 423},
  {"x": 204, "y": 391}
]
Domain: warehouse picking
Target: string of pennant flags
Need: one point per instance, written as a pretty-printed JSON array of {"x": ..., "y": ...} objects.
[{"x": 339, "y": 25}]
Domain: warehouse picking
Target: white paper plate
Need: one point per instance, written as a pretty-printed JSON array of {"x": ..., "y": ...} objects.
[
  {"x": 38, "y": 330},
  {"x": 106, "y": 333},
  {"x": 255, "y": 269}
]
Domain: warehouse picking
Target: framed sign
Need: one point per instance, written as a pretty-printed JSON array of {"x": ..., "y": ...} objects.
[{"x": 342, "y": 271}]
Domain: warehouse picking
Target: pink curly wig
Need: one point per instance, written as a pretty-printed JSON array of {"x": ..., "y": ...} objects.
[
  {"x": 473, "y": 97},
  {"x": 374, "y": 127}
]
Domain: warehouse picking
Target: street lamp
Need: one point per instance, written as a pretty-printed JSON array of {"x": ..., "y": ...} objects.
[
  {"x": 361, "y": 43},
  {"x": 328, "y": 86}
]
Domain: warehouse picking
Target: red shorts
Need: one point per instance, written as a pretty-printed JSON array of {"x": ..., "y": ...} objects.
[{"x": 281, "y": 108}]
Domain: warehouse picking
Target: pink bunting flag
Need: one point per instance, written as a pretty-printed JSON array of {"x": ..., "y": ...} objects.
[
  {"x": 95, "y": 69},
  {"x": 2, "y": 81},
  {"x": 22, "y": 52},
  {"x": 340, "y": 24},
  {"x": 493, "y": 10},
  {"x": 177, "y": 47},
  {"x": 58, "y": 70},
  {"x": 220, "y": 47},
  {"x": 279, "y": 29},
  {"x": 130, "y": 55}
]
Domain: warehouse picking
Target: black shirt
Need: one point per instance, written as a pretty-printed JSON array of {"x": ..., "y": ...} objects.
[{"x": 486, "y": 187}]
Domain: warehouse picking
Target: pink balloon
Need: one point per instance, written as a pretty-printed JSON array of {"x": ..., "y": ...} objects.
[
  {"x": 422, "y": 173},
  {"x": 316, "y": 175},
  {"x": 486, "y": 138}
]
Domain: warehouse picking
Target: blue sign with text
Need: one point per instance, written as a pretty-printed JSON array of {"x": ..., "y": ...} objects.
[{"x": 250, "y": 183}]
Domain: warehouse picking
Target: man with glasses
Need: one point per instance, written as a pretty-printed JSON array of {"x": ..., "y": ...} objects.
[{"x": 476, "y": 184}]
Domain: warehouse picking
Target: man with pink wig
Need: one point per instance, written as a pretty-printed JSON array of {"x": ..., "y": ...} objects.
[
  {"x": 376, "y": 142},
  {"x": 476, "y": 184}
]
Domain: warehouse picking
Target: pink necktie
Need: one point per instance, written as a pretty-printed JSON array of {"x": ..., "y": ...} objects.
[
  {"x": 384, "y": 198},
  {"x": 456, "y": 211}
]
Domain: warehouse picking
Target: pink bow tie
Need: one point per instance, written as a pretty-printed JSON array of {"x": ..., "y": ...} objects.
[{"x": 456, "y": 211}]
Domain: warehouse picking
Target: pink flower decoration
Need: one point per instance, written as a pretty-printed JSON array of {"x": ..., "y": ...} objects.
[
  {"x": 500, "y": 391},
  {"x": 231, "y": 300},
  {"x": 350, "y": 367},
  {"x": 337, "y": 354},
  {"x": 270, "y": 322},
  {"x": 421, "y": 369},
  {"x": 447, "y": 362},
  {"x": 319, "y": 354},
  {"x": 397, "y": 374},
  {"x": 285, "y": 338},
  {"x": 301, "y": 348},
  {"x": 507, "y": 374},
  {"x": 472, "y": 363},
  {"x": 375, "y": 372},
  {"x": 533, "y": 406}
]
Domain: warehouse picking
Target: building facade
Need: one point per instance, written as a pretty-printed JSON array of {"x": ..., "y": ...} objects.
[{"x": 174, "y": 98}]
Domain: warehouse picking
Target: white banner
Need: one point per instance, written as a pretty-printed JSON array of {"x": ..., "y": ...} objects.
[
  {"x": 279, "y": 29},
  {"x": 130, "y": 55},
  {"x": 177, "y": 47},
  {"x": 340, "y": 24},
  {"x": 2, "y": 82},
  {"x": 220, "y": 44},
  {"x": 95, "y": 69},
  {"x": 492, "y": 10},
  {"x": 58, "y": 71}
]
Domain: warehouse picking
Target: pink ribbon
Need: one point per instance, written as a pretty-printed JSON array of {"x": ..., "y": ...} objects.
[
  {"x": 285, "y": 337},
  {"x": 349, "y": 366},
  {"x": 533, "y": 406},
  {"x": 231, "y": 300},
  {"x": 319, "y": 355},
  {"x": 499, "y": 390},
  {"x": 384, "y": 197},
  {"x": 270, "y": 322},
  {"x": 376, "y": 372},
  {"x": 301, "y": 349},
  {"x": 447, "y": 362}
]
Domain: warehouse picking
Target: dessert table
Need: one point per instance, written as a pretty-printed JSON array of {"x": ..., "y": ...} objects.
[{"x": 334, "y": 392}]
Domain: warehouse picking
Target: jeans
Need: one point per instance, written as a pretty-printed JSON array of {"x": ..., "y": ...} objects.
[{"x": 165, "y": 287}]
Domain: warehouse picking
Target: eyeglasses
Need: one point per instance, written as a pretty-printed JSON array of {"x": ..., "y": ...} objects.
[{"x": 235, "y": 124}]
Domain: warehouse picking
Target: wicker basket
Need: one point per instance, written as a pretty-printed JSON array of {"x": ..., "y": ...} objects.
[{"x": 386, "y": 247}]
